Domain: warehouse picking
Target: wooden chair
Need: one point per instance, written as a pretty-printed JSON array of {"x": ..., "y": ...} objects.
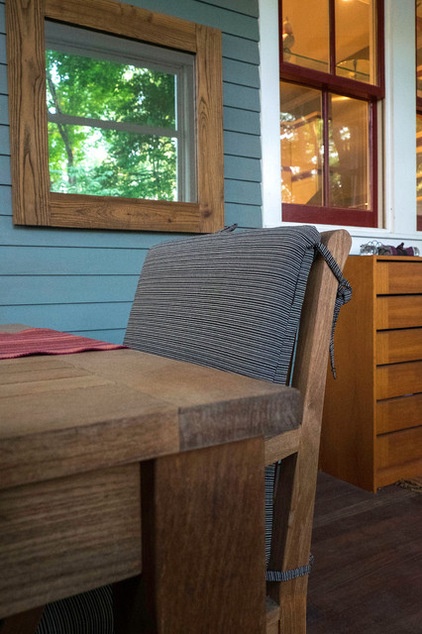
[
  {"x": 298, "y": 450},
  {"x": 209, "y": 321},
  {"x": 250, "y": 302}
]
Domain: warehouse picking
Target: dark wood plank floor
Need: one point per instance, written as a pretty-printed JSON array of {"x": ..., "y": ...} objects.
[{"x": 367, "y": 573}]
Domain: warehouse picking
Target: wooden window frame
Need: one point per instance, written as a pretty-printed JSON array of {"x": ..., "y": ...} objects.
[
  {"x": 33, "y": 203},
  {"x": 330, "y": 82}
]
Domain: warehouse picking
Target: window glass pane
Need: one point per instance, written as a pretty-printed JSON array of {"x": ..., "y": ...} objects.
[
  {"x": 97, "y": 162},
  {"x": 348, "y": 153},
  {"x": 301, "y": 145},
  {"x": 419, "y": 49},
  {"x": 306, "y": 33},
  {"x": 118, "y": 119},
  {"x": 419, "y": 164},
  {"x": 355, "y": 48}
]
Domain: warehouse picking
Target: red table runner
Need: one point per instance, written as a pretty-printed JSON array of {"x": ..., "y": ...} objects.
[{"x": 46, "y": 341}]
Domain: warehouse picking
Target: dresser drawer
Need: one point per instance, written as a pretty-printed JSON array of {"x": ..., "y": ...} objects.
[
  {"x": 398, "y": 413},
  {"x": 394, "y": 346},
  {"x": 398, "y": 311},
  {"x": 399, "y": 379},
  {"x": 399, "y": 448},
  {"x": 398, "y": 277}
]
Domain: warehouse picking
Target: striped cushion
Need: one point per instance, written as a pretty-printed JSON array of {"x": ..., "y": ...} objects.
[
  {"x": 230, "y": 300},
  {"x": 87, "y": 613}
]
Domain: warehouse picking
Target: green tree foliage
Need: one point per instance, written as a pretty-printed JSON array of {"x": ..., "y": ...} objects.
[{"x": 111, "y": 128}]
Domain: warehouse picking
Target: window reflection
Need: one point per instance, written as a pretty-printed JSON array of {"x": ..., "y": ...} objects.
[
  {"x": 354, "y": 40},
  {"x": 419, "y": 165},
  {"x": 306, "y": 34},
  {"x": 348, "y": 153},
  {"x": 306, "y": 37},
  {"x": 303, "y": 155},
  {"x": 301, "y": 145}
]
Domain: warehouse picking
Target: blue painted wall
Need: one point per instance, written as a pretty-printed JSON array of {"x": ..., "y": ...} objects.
[{"x": 84, "y": 281}]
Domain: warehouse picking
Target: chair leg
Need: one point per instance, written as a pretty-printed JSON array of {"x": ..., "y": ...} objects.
[
  {"x": 293, "y": 602},
  {"x": 23, "y": 623},
  {"x": 292, "y": 528}
]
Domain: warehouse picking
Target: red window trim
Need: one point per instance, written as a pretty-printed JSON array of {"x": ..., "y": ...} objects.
[{"x": 329, "y": 82}]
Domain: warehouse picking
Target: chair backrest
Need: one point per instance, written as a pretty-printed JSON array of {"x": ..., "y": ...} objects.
[{"x": 230, "y": 300}]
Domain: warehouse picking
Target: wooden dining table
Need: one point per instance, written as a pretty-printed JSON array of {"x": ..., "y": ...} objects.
[{"x": 116, "y": 463}]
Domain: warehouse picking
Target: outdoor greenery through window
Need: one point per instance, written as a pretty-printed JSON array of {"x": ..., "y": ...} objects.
[
  {"x": 116, "y": 117},
  {"x": 120, "y": 117}
]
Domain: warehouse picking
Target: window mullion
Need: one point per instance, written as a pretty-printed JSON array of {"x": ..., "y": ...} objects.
[
  {"x": 326, "y": 142},
  {"x": 121, "y": 126},
  {"x": 332, "y": 35}
]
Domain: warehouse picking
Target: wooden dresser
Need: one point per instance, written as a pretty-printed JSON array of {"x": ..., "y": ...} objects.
[{"x": 372, "y": 424}]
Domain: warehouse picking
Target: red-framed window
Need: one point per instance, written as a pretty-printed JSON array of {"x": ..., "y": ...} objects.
[{"x": 331, "y": 83}]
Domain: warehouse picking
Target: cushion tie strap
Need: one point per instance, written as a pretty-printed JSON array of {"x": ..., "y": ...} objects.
[
  {"x": 293, "y": 573},
  {"x": 344, "y": 294}
]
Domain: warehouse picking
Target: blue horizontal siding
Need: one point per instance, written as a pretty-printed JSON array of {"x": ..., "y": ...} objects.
[
  {"x": 238, "y": 144},
  {"x": 4, "y": 117},
  {"x": 251, "y": 215},
  {"x": 69, "y": 317},
  {"x": 237, "y": 120},
  {"x": 84, "y": 281},
  {"x": 241, "y": 74},
  {"x": 3, "y": 79},
  {"x": 235, "y": 95},
  {"x": 5, "y": 201},
  {"x": 5, "y": 176},
  {"x": 71, "y": 261},
  {"x": 4, "y": 136},
  {"x": 42, "y": 237},
  {"x": 244, "y": 169},
  {"x": 21, "y": 290},
  {"x": 2, "y": 48},
  {"x": 239, "y": 48}
]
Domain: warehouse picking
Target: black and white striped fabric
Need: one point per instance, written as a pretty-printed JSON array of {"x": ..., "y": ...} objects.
[
  {"x": 87, "y": 613},
  {"x": 230, "y": 300}
]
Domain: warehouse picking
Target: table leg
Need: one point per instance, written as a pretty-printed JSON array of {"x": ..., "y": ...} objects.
[{"x": 203, "y": 540}]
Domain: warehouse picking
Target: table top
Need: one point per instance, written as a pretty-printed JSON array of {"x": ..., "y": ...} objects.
[{"x": 68, "y": 414}]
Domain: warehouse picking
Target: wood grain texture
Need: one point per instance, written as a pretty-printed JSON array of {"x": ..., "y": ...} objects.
[
  {"x": 70, "y": 486},
  {"x": 347, "y": 449},
  {"x": 399, "y": 413},
  {"x": 398, "y": 379},
  {"x": 81, "y": 532},
  {"x": 69, "y": 405},
  {"x": 209, "y": 128},
  {"x": 379, "y": 387},
  {"x": 296, "y": 481},
  {"x": 366, "y": 576},
  {"x": 395, "y": 346},
  {"x": 125, "y": 19},
  {"x": 398, "y": 275},
  {"x": 27, "y": 111},
  {"x": 225, "y": 490},
  {"x": 398, "y": 311}
]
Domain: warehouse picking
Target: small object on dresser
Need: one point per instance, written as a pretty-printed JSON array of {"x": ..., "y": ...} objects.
[{"x": 377, "y": 248}]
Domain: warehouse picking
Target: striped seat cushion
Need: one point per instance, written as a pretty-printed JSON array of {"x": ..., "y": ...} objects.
[
  {"x": 230, "y": 300},
  {"x": 87, "y": 613}
]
